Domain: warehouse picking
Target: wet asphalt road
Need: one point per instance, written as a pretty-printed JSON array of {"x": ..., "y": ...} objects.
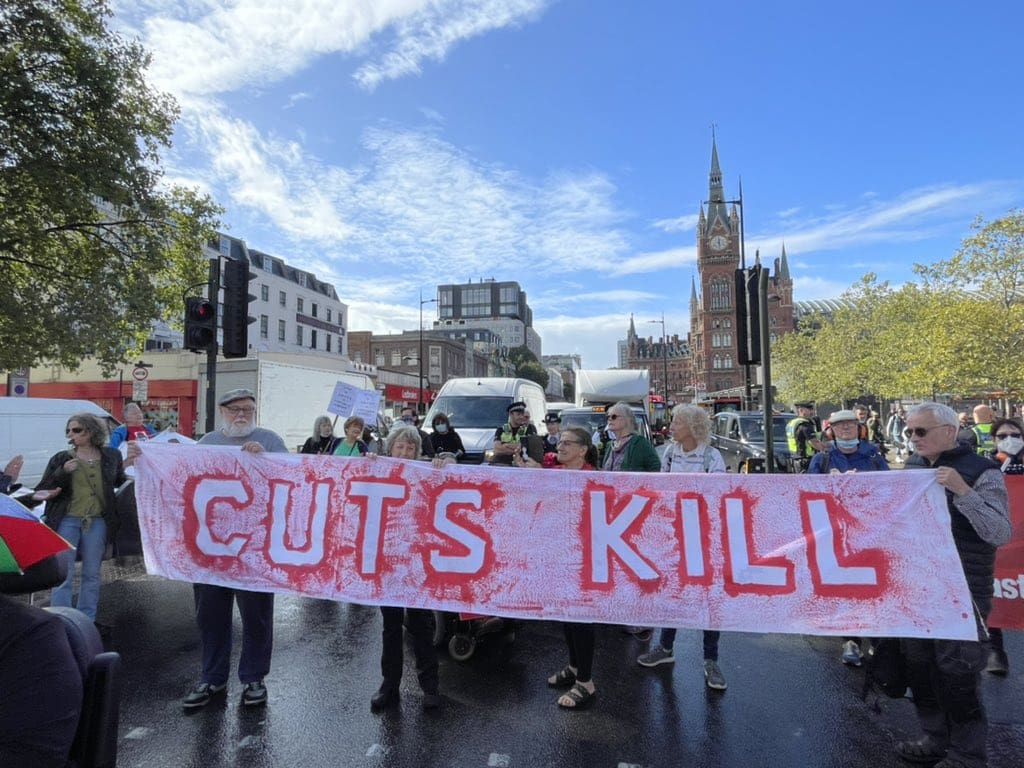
[{"x": 790, "y": 701}]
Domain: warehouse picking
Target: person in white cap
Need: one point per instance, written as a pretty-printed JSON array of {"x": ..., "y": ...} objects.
[{"x": 849, "y": 450}]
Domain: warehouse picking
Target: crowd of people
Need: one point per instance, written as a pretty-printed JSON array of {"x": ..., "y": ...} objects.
[{"x": 970, "y": 456}]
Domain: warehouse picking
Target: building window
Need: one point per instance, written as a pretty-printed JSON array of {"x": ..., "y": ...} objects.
[
  {"x": 716, "y": 339},
  {"x": 300, "y": 305},
  {"x": 378, "y": 357},
  {"x": 281, "y": 327},
  {"x": 268, "y": 264},
  {"x": 720, "y": 297},
  {"x": 264, "y": 292},
  {"x": 264, "y": 326},
  {"x": 396, "y": 357},
  {"x": 313, "y": 308},
  {"x": 328, "y": 314},
  {"x": 298, "y": 334},
  {"x": 302, "y": 279},
  {"x": 312, "y": 339},
  {"x": 327, "y": 341},
  {"x": 357, "y": 357},
  {"x": 282, "y": 298}
]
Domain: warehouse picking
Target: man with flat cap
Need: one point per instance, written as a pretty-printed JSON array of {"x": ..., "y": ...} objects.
[
  {"x": 801, "y": 436},
  {"x": 511, "y": 436},
  {"x": 214, "y": 604}
]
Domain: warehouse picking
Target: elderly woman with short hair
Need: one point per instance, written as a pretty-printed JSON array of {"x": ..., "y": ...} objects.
[
  {"x": 403, "y": 442},
  {"x": 352, "y": 444},
  {"x": 629, "y": 451}
]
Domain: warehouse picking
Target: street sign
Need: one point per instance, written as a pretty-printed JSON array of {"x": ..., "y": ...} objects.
[
  {"x": 140, "y": 390},
  {"x": 140, "y": 373},
  {"x": 17, "y": 383}
]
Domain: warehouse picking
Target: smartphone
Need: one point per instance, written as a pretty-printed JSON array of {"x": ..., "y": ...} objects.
[{"x": 524, "y": 442}]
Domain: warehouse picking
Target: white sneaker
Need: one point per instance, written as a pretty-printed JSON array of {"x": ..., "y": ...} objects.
[{"x": 851, "y": 654}]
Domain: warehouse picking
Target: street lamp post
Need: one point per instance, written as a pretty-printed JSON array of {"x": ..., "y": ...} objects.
[
  {"x": 419, "y": 389},
  {"x": 664, "y": 354}
]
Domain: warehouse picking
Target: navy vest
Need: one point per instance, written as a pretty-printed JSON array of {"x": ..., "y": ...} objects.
[{"x": 977, "y": 556}]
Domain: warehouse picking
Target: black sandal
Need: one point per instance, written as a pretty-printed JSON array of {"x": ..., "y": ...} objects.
[
  {"x": 925, "y": 751},
  {"x": 580, "y": 697},
  {"x": 563, "y": 678}
]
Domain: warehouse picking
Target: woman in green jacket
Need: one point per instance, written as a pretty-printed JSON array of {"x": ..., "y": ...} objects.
[{"x": 629, "y": 451}]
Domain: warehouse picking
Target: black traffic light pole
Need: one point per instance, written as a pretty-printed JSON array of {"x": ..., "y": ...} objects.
[{"x": 213, "y": 292}]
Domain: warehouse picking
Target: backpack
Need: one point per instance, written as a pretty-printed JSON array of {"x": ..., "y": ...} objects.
[{"x": 706, "y": 459}]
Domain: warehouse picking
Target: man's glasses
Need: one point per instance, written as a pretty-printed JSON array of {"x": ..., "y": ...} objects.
[
  {"x": 74, "y": 431},
  {"x": 1001, "y": 435},
  {"x": 240, "y": 411},
  {"x": 922, "y": 431}
]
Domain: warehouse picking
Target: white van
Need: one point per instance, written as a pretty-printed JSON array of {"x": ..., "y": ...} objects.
[
  {"x": 34, "y": 427},
  {"x": 477, "y": 407}
]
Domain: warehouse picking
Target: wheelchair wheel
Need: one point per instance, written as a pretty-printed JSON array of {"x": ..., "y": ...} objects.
[{"x": 461, "y": 647}]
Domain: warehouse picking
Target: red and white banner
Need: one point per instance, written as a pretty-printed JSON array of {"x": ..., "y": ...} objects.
[
  {"x": 1008, "y": 605},
  {"x": 859, "y": 554}
]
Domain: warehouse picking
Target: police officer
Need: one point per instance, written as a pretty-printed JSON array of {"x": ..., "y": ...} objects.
[
  {"x": 800, "y": 436},
  {"x": 509, "y": 437},
  {"x": 554, "y": 424}
]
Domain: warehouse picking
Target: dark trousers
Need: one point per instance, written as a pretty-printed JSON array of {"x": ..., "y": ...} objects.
[
  {"x": 420, "y": 624},
  {"x": 580, "y": 640},
  {"x": 214, "y": 608},
  {"x": 944, "y": 677},
  {"x": 667, "y": 639},
  {"x": 995, "y": 638}
]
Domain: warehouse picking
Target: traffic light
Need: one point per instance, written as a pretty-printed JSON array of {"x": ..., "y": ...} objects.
[
  {"x": 748, "y": 328},
  {"x": 200, "y": 324},
  {"x": 236, "y": 318}
]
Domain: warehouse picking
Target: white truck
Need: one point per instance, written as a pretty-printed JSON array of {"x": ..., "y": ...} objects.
[{"x": 289, "y": 395}]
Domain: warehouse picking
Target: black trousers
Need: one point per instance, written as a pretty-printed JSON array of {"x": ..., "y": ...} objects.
[
  {"x": 214, "y": 608},
  {"x": 580, "y": 640},
  {"x": 420, "y": 624}
]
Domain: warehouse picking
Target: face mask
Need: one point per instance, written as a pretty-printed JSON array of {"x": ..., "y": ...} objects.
[
  {"x": 847, "y": 444},
  {"x": 408, "y": 419},
  {"x": 441, "y": 428},
  {"x": 1011, "y": 446}
]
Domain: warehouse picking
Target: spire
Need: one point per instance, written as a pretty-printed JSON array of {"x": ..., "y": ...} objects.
[
  {"x": 784, "y": 265},
  {"x": 632, "y": 327},
  {"x": 716, "y": 194},
  {"x": 693, "y": 294}
]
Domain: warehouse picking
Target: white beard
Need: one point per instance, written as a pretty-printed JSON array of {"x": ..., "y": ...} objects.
[{"x": 238, "y": 430}]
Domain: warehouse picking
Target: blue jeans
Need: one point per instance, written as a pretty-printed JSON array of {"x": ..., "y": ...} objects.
[
  {"x": 91, "y": 544},
  {"x": 668, "y": 638}
]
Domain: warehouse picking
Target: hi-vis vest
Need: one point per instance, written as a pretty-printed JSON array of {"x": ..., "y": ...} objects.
[
  {"x": 986, "y": 442},
  {"x": 791, "y": 429}
]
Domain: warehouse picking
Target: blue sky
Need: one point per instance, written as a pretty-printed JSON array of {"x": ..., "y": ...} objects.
[{"x": 392, "y": 145}]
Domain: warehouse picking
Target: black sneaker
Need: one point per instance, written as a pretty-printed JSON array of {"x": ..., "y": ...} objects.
[
  {"x": 200, "y": 695},
  {"x": 254, "y": 694}
]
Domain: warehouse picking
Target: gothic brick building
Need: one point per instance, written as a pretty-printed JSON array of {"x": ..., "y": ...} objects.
[{"x": 709, "y": 360}]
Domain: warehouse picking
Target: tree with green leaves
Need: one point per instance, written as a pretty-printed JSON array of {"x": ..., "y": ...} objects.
[{"x": 94, "y": 247}]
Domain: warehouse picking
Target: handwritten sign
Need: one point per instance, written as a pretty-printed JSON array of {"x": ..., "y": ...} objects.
[{"x": 348, "y": 400}]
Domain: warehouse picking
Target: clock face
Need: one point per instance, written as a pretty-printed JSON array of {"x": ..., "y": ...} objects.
[{"x": 718, "y": 243}]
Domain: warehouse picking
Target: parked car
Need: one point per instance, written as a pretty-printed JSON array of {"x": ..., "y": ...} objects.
[{"x": 739, "y": 435}]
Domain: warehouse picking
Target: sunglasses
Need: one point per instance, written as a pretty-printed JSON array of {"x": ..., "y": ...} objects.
[
  {"x": 614, "y": 416},
  {"x": 74, "y": 431},
  {"x": 1007, "y": 434},
  {"x": 922, "y": 431}
]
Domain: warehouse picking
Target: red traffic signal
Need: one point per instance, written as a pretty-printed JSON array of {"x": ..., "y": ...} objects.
[{"x": 200, "y": 324}]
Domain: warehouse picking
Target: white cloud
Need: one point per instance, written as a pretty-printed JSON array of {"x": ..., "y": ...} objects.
[
  {"x": 295, "y": 98},
  {"x": 678, "y": 224},
  {"x": 203, "y": 47},
  {"x": 653, "y": 262}
]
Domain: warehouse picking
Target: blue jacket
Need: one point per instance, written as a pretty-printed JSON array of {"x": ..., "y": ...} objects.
[{"x": 865, "y": 459}]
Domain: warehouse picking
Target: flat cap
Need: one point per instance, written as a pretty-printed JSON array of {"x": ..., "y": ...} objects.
[
  {"x": 236, "y": 394},
  {"x": 845, "y": 415}
]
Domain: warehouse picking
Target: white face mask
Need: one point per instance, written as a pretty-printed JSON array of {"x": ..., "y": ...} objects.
[
  {"x": 441, "y": 428},
  {"x": 1011, "y": 445},
  {"x": 847, "y": 444}
]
